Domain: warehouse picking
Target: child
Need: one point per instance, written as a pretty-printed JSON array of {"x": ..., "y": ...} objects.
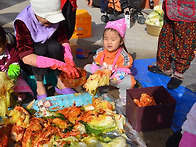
[
  {"x": 186, "y": 137},
  {"x": 9, "y": 63},
  {"x": 115, "y": 57},
  {"x": 43, "y": 45},
  {"x": 176, "y": 40}
]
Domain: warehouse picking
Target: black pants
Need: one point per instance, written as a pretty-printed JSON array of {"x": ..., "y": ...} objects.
[
  {"x": 70, "y": 18},
  {"x": 174, "y": 139},
  {"x": 51, "y": 48}
]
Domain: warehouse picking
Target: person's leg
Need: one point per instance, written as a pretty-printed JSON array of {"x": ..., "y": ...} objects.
[
  {"x": 70, "y": 17},
  {"x": 188, "y": 140},
  {"x": 174, "y": 139},
  {"x": 127, "y": 82},
  {"x": 87, "y": 67},
  {"x": 55, "y": 50},
  {"x": 165, "y": 46},
  {"x": 40, "y": 49},
  {"x": 183, "y": 52},
  {"x": 41, "y": 90}
]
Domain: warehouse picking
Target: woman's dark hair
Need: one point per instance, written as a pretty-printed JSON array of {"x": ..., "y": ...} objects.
[
  {"x": 2, "y": 35},
  {"x": 121, "y": 38}
]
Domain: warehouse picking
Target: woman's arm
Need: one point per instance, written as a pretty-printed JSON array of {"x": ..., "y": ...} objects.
[{"x": 24, "y": 43}]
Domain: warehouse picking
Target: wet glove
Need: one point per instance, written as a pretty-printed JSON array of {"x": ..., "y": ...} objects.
[
  {"x": 67, "y": 51},
  {"x": 69, "y": 62},
  {"x": 45, "y": 62},
  {"x": 68, "y": 58},
  {"x": 13, "y": 71}
]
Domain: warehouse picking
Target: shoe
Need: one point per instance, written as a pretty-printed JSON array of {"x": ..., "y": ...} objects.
[
  {"x": 155, "y": 69},
  {"x": 39, "y": 97},
  {"x": 174, "y": 83},
  {"x": 175, "y": 80},
  {"x": 64, "y": 91},
  {"x": 138, "y": 84},
  {"x": 123, "y": 101}
]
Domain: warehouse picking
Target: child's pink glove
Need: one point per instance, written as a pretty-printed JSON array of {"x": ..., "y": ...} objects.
[
  {"x": 45, "y": 62},
  {"x": 94, "y": 67}
]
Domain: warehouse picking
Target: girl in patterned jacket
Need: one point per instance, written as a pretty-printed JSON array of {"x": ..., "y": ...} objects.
[
  {"x": 176, "y": 40},
  {"x": 115, "y": 57},
  {"x": 9, "y": 63}
]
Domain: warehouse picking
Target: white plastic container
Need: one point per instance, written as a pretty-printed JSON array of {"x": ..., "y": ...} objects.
[{"x": 127, "y": 19}]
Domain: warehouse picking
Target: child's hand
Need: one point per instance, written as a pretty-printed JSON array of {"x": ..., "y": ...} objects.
[
  {"x": 95, "y": 67},
  {"x": 117, "y": 77},
  {"x": 113, "y": 81},
  {"x": 13, "y": 71}
]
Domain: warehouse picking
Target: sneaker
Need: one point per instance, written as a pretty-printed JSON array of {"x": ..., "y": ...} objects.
[
  {"x": 123, "y": 101},
  {"x": 155, "y": 69}
]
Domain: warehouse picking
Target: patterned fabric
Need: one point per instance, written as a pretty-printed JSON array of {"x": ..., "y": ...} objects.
[
  {"x": 181, "y": 10},
  {"x": 177, "y": 41},
  {"x": 10, "y": 57}
]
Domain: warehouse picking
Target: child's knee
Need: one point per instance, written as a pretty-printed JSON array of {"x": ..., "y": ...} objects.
[{"x": 87, "y": 67}]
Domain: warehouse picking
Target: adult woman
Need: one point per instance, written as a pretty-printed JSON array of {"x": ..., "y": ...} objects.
[
  {"x": 176, "y": 40},
  {"x": 43, "y": 45}
]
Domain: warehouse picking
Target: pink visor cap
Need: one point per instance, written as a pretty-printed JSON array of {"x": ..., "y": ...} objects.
[{"x": 118, "y": 25}]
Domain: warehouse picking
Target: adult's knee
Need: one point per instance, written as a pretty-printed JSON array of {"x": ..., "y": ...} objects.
[{"x": 54, "y": 47}]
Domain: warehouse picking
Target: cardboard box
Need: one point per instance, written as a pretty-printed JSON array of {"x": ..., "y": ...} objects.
[
  {"x": 83, "y": 24},
  {"x": 150, "y": 117}
]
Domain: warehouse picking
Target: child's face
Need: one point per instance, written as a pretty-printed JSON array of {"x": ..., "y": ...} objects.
[
  {"x": 43, "y": 21},
  {"x": 2, "y": 48},
  {"x": 111, "y": 40}
]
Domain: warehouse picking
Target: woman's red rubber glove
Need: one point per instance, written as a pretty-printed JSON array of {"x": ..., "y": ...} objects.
[
  {"x": 69, "y": 62},
  {"x": 68, "y": 58},
  {"x": 45, "y": 62}
]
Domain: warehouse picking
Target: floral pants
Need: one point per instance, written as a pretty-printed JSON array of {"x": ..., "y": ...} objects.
[{"x": 177, "y": 42}]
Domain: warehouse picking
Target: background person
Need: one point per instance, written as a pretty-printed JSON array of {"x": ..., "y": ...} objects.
[
  {"x": 9, "y": 63},
  {"x": 176, "y": 40},
  {"x": 186, "y": 137}
]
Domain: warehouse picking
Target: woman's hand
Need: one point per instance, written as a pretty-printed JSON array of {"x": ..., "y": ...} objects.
[{"x": 90, "y": 2}]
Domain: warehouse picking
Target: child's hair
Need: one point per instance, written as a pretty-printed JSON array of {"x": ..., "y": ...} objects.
[
  {"x": 121, "y": 38},
  {"x": 2, "y": 35}
]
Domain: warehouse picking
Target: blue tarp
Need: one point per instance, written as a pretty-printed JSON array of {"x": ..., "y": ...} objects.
[{"x": 185, "y": 97}]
